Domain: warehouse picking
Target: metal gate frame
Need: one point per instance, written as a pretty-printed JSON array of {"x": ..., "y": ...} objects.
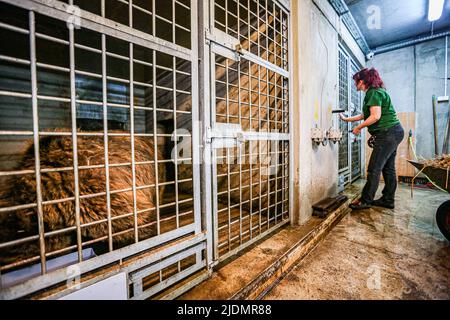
[
  {"x": 344, "y": 172},
  {"x": 132, "y": 260},
  {"x": 346, "y": 175},
  {"x": 356, "y": 173},
  {"x": 220, "y": 43}
]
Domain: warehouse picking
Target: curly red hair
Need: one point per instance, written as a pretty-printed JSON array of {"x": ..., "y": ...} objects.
[{"x": 370, "y": 77}]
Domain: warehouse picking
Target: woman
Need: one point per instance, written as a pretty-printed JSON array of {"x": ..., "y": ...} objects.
[{"x": 387, "y": 133}]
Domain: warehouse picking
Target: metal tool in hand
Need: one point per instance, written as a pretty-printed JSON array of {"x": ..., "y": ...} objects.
[{"x": 371, "y": 142}]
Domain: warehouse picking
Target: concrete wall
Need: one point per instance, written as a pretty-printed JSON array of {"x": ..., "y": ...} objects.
[
  {"x": 412, "y": 75},
  {"x": 316, "y": 31}
]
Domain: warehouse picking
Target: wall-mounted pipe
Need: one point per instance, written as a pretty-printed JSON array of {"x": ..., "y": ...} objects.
[
  {"x": 435, "y": 126},
  {"x": 404, "y": 44},
  {"x": 445, "y": 98}
]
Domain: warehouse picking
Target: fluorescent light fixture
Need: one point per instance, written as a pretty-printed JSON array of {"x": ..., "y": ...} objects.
[{"x": 435, "y": 9}]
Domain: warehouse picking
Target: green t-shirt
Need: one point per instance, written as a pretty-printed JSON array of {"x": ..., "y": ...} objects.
[{"x": 380, "y": 98}]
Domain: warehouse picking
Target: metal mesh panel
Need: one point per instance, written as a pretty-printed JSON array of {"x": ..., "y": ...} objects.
[
  {"x": 252, "y": 178},
  {"x": 253, "y": 196},
  {"x": 356, "y": 143},
  {"x": 343, "y": 104},
  {"x": 260, "y": 25},
  {"x": 86, "y": 132}
]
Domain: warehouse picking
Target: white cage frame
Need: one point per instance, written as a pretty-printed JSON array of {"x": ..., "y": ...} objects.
[{"x": 346, "y": 98}]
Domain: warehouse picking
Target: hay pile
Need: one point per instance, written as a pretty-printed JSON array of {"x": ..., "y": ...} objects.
[{"x": 439, "y": 162}]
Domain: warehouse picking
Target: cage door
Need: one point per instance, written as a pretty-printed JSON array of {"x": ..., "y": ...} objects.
[{"x": 250, "y": 133}]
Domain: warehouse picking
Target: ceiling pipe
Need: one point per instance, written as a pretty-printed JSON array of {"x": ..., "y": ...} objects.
[
  {"x": 408, "y": 43},
  {"x": 344, "y": 13}
]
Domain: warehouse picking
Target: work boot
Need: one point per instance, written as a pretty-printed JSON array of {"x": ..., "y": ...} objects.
[
  {"x": 359, "y": 205},
  {"x": 384, "y": 204}
]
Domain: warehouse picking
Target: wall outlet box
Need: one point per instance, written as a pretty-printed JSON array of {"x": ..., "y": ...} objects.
[
  {"x": 317, "y": 135},
  {"x": 334, "y": 134}
]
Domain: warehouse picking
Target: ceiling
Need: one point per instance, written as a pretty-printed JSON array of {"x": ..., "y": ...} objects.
[{"x": 400, "y": 20}]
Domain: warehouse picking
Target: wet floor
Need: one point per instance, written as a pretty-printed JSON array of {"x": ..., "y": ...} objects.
[{"x": 377, "y": 254}]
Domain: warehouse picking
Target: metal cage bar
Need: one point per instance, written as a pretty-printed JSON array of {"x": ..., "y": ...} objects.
[
  {"x": 344, "y": 100},
  {"x": 36, "y": 141},
  {"x": 356, "y": 145},
  {"x": 132, "y": 130}
]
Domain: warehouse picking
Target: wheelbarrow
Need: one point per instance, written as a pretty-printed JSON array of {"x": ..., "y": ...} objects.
[{"x": 441, "y": 178}]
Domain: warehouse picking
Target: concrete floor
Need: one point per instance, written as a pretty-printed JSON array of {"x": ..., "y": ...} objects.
[{"x": 377, "y": 254}]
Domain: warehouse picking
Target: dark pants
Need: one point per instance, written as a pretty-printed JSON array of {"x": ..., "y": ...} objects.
[{"x": 383, "y": 161}]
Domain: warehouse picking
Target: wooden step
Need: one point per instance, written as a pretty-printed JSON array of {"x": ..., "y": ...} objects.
[{"x": 323, "y": 208}]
